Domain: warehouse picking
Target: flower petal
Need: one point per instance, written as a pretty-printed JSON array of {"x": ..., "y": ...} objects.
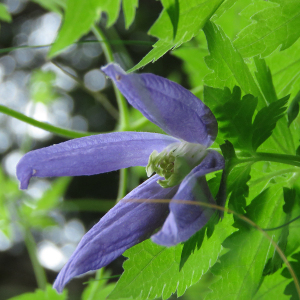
[
  {"x": 167, "y": 104},
  {"x": 91, "y": 155},
  {"x": 185, "y": 220},
  {"x": 125, "y": 225}
]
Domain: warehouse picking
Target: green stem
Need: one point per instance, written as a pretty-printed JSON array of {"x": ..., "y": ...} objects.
[
  {"x": 42, "y": 125},
  {"x": 279, "y": 158},
  {"x": 39, "y": 272},
  {"x": 122, "y": 184},
  {"x": 122, "y": 104}
]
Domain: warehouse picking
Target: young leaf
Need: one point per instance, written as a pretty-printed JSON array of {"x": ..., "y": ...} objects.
[
  {"x": 265, "y": 121},
  {"x": 153, "y": 271},
  {"x": 4, "y": 14},
  {"x": 229, "y": 68},
  {"x": 193, "y": 15},
  {"x": 272, "y": 27},
  {"x": 240, "y": 269}
]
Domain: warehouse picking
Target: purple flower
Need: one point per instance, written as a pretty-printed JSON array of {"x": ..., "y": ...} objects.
[{"x": 180, "y": 162}]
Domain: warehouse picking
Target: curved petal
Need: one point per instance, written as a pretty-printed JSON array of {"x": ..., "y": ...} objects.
[
  {"x": 125, "y": 225},
  {"x": 185, "y": 220},
  {"x": 167, "y": 104},
  {"x": 91, "y": 155}
]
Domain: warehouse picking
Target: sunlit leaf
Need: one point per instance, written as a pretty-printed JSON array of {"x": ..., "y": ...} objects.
[
  {"x": 152, "y": 271},
  {"x": 193, "y": 15},
  {"x": 228, "y": 66},
  {"x": 272, "y": 27},
  {"x": 241, "y": 267}
]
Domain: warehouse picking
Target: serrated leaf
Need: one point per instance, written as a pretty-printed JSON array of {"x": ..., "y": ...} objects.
[
  {"x": 234, "y": 115},
  {"x": 4, "y": 14},
  {"x": 129, "y": 8},
  {"x": 152, "y": 271},
  {"x": 237, "y": 186},
  {"x": 80, "y": 16},
  {"x": 48, "y": 294},
  {"x": 265, "y": 121},
  {"x": 271, "y": 28},
  {"x": 193, "y": 15},
  {"x": 240, "y": 269},
  {"x": 228, "y": 66},
  {"x": 271, "y": 287},
  {"x": 291, "y": 288},
  {"x": 172, "y": 9}
]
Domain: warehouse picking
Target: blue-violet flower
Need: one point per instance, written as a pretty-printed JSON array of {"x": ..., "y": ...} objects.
[{"x": 180, "y": 161}]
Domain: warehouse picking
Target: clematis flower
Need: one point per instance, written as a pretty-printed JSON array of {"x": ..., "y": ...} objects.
[{"x": 180, "y": 160}]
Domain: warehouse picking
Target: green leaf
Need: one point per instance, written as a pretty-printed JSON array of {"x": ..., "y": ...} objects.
[
  {"x": 271, "y": 28},
  {"x": 172, "y": 8},
  {"x": 285, "y": 68},
  {"x": 237, "y": 186},
  {"x": 265, "y": 121},
  {"x": 275, "y": 262},
  {"x": 129, "y": 8},
  {"x": 264, "y": 79},
  {"x": 193, "y": 15},
  {"x": 228, "y": 108},
  {"x": 271, "y": 287},
  {"x": 4, "y": 14},
  {"x": 240, "y": 269},
  {"x": 48, "y": 294},
  {"x": 228, "y": 66},
  {"x": 80, "y": 17},
  {"x": 293, "y": 109},
  {"x": 290, "y": 288},
  {"x": 153, "y": 271}
]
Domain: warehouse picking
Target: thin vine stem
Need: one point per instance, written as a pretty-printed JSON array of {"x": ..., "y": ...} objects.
[{"x": 48, "y": 127}]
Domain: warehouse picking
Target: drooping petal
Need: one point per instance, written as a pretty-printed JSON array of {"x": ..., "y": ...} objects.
[
  {"x": 167, "y": 104},
  {"x": 91, "y": 155},
  {"x": 125, "y": 225},
  {"x": 185, "y": 220}
]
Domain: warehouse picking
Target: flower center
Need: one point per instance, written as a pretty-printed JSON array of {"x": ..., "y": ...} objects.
[{"x": 175, "y": 162}]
